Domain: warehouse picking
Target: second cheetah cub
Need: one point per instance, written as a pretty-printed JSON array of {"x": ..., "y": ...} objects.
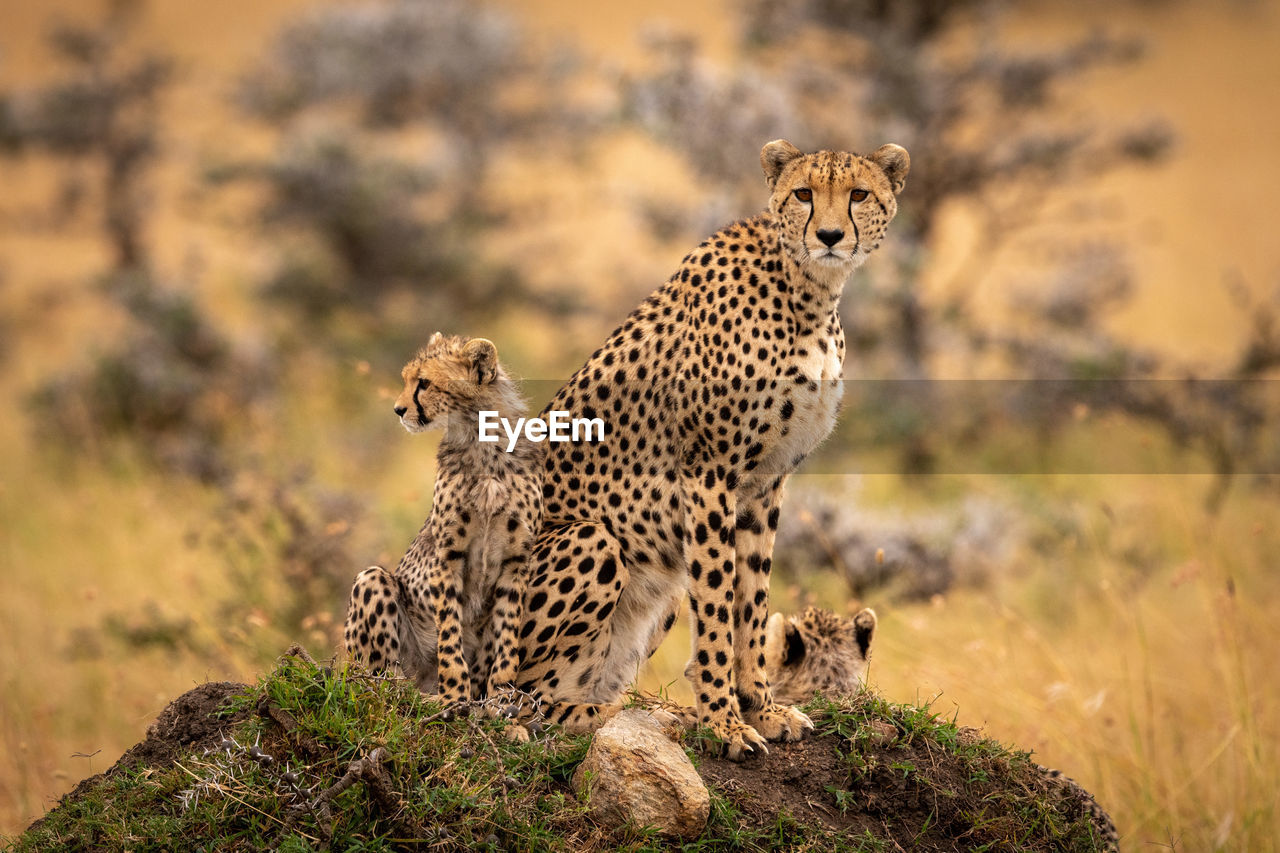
[{"x": 486, "y": 509}]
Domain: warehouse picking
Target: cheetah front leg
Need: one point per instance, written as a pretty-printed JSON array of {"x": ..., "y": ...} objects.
[
  {"x": 709, "y": 514},
  {"x": 757, "y": 526},
  {"x": 444, "y": 588},
  {"x": 501, "y": 653}
]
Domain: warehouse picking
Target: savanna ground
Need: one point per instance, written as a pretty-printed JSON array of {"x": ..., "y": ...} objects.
[
  {"x": 1127, "y": 639},
  {"x": 317, "y": 757}
]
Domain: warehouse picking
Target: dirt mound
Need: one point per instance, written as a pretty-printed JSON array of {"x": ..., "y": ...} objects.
[
  {"x": 912, "y": 791},
  {"x": 187, "y": 724},
  {"x": 873, "y": 774},
  {"x": 794, "y": 779}
]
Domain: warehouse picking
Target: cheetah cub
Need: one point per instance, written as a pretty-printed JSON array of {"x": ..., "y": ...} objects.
[
  {"x": 820, "y": 652},
  {"x": 448, "y": 615},
  {"x": 817, "y": 651}
]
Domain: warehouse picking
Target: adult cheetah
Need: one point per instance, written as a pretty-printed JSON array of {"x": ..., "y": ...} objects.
[
  {"x": 465, "y": 572},
  {"x": 714, "y": 390}
]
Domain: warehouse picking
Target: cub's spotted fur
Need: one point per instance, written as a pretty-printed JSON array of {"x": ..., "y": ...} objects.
[
  {"x": 467, "y": 569},
  {"x": 817, "y": 652}
]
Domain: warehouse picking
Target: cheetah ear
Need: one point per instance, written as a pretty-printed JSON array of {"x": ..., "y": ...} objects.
[
  {"x": 864, "y": 625},
  {"x": 896, "y": 162},
  {"x": 793, "y": 651},
  {"x": 774, "y": 157},
  {"x": 483, "y": 356},
  {"x": 435, "y": 339}
]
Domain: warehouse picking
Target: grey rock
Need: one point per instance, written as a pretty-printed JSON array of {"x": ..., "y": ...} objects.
[{"x": 636, "y": 772}]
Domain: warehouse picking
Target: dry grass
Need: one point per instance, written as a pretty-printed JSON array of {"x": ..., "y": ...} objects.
[
  {"x": 79, "y": 548},
  {"x": 1138, "y": 658}
]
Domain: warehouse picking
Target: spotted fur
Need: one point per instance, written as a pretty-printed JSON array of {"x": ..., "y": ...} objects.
[
  {"x": 714, "y": 391},
  {"x": 448, "y": 615},
  {"x": 817, "y": 652}
]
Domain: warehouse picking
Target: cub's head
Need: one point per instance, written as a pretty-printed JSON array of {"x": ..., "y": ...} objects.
[
  {"x": 833, "y": 207},
  {"x": 817, "y": 651},
  {"x": 451, "y": 374}
]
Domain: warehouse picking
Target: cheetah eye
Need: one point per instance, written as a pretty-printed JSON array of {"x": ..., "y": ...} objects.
[
  {"x": 423, "y": 384},
  {"x": 859, "y": 195},
  {"x": 804, "y": 194}
]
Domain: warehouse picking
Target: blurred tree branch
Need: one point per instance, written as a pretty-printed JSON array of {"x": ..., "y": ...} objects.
[{"x": 102, "y": 111}]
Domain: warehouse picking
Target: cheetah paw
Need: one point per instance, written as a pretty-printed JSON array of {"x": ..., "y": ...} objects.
[
  {"x": 683, "y": 716},
  {"x": 516, "y": 733},
  {"x": 779, "y": 722},
  {"x": 736, "y": 739},
  {"x": 671, "y": 714}
]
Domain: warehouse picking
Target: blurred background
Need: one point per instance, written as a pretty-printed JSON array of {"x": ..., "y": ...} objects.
[{"x": 224, "y": 227}]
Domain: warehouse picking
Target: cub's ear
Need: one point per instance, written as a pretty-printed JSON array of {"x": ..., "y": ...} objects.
[
  {"x": 896, "y": 162},
  {"x": 774, "y": 157},
  {"x": 864, "y": 626},
  {"x": 793, "y": 651},
  {"x": 483, "y": 356},
  {"x": 435, "y": 339}
]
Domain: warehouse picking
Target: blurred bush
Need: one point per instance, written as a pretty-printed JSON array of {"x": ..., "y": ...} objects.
[
  {"x": 387, "y": 117},
  {"x": 359, "y": 210},
  {"x": 174, "y": 384},
  {"x": 399, "y": 63},
  {"x": 291, "y": 543},
  {"x": 100, "y": 117},
  {"x": 376, "y": 207}
]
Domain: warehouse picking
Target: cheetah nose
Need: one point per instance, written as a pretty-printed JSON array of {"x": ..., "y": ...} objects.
[
  {"x": 400, "y": 410},
  {"x": 830, "y": 236}
]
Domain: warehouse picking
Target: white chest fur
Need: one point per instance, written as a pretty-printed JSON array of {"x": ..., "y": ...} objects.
[
  {"x": 821, "y": 361},
  {"x": 816, "y": 403},
  {"x": 812, "y": 408}
]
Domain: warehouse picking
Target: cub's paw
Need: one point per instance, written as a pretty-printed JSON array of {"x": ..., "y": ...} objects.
[
  {"x": 779, "y": 722},
  {"x": 732, "y": 738},
  {"x": 516, "y": 733},
  {"x": 682, "y": 715},
  {"x": 670, "y": 713}
]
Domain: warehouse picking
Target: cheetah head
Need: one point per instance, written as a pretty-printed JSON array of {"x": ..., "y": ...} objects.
[
  {"x": 452, "y": 374},
  {"x": 833, "y": 207},
  {"x": 817, "y": 651}
]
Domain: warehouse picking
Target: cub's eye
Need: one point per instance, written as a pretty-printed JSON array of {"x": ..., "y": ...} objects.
[
  {"x": 423, "y": 384},
  {"x": 859, "y": 195},
  {"x": 805, "y": 195}
]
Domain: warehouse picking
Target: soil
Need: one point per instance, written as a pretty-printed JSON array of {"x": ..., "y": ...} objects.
[
  {"x": 793, "y": 777},
  {"x": 928, "y": 807},
  {"x": 802, "y": 779},
  {"x": 916, "y": 795},
  {"x": 188, "y": 723}
]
